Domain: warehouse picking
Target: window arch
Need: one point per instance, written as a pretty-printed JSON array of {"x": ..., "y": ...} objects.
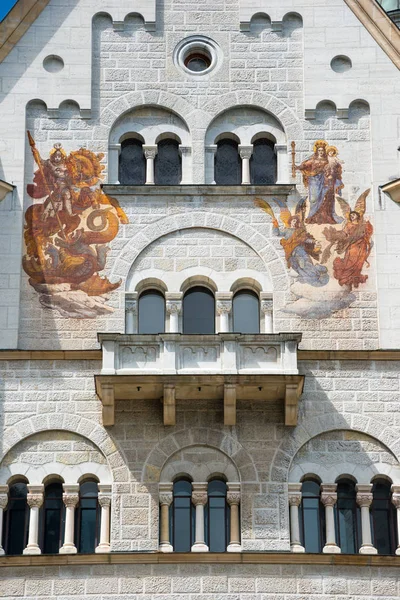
[
  {"x": 311, "y": 515},
  {"x": 263, "y": 162},
  {"x": 217, "y": 516},
  {"x": 347, "y": 517},
  {"x": 53, "y": 518},
  {"x": 87, "y": 518},
  {"x": 132, "y": 163},
  {"x": 383, "y": 516},
  {"x": 16, "y": 519},
  {"x": 151, "y": 312},
  {"x": 198, "y": 311},
  {"x": 168, "y": 163},
  {"x": 227, "y": 163},
  {"x": 182, "y": 516},
  {"x": 246, "y": 312}
]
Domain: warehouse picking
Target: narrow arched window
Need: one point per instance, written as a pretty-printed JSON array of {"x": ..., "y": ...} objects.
[
  {"x": 168, "y": 163},
  {"x": 228, "y": 164},
  {"x": 198, "y": 311},
  {"x": 311, "y": 515},
  {"x": 151, "y": 312},
  {"x": 217, "y": 516},
  {"x": 16, "y": 519},
  {"x": 383, "y": 518},
  {"x": 263, "y": 163},
  {"x": 87, "y": 518},
  {"x": 132, "y": 163},
  {"x": 246, "y": 312},
  {"x": 347, "y": 517},
  {"x": 182, "y": 516},
  {"x": 53, "y": 518}
]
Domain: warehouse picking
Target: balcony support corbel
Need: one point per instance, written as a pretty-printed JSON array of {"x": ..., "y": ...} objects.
[
  {"x": 108, "y": 401},
  {"x": 229, "y": 404},
  {"x": 291, "y": 403},
  {"x": 169, "y": 405}
]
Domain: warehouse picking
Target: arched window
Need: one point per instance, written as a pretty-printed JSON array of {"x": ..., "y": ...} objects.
[
  {"x": 182, "y": 516},
  {"x": 198, "y": 311},
  {"x": 228, "y": 164},
  {"x": 132, "y": 163},
  {"x": 263, "y": 163},
  {"x": 383, "y": 518},
  {"x": 87, "y": 518},
  {"x": 246, "y": 312},
  {"x": 168, "y": 163},
  {"x": 217, "y": 517},
  {"x": 53, "y": 519},
  {"x": 347, "y": 518},
  {"x": 311, "y": 517},
  {"x": 151, "y": 312},
  {"x": 16, "y": 519}
]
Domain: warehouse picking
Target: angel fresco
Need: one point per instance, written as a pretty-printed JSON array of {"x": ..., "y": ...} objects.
[
  {"x": 302, "y": 251},
  {"x": 354, "y": 241},
  {"x": 67, "y": 232}
]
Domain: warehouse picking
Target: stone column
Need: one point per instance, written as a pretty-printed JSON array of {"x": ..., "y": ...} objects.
[
  {"x": 173, "y": 308},
  {"x": 245, "y": 153},
  {"x": 224, "y": 308},
  {"x": 104, "y": 500},
  {"x": 3, "y": 505},
  {"x": 282, "y": 163},
  {"x": 199, "y": 499},
  {"x": 294, "y": 503},
  {"x": 267, "y": 308},
  {"x": 150, "y": 153},
  {"x": 396, "y": 502},
  {"x": 165, "y": 496},
  {"x": 186, "y": 153},
  {"x": 35, "y": 501},
  {"x": 328, "y": 499},
  {"x": 210, "y": 164},
  {"x": 131, "y": 308},
  {"x": 364, "y": 500},
  {"x": 71, "y": 499},
  {"x": 114, "y": 150},
  {"x": 233, "y": 499}
]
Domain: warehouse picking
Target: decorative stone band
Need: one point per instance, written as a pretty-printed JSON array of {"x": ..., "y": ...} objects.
[
  {"x": 233, "y": 498},
  {"x": 364, "y": 499},
  {"x": 173, "y": 307},
  {"x": 199, "y": 498},
  {"x": 71, "y": 499},
  {"x": 34, "y": 500}
]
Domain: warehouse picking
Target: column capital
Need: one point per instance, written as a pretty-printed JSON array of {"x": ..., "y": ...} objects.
[
  {"x": 35, "y": 495},
  {"x": 233, "y": 498},
  {"x": 212, "y": 148},
  {"x": 150, "y": 151},
  {"x": 223, "y": 302},
  {"x": 267, "y": 304},
  {"x": 71, "y": 494},
  {"x": 131, "y": 302},
  {"x": 280, "y": 147},
  {"x": 104, "y": 496},
  {"x": 199, "y": 493},
  {"x": 395, "y": 489},
  {"x": 3, "y": 500},
  {"x": 173, "y": 302},
  {"x": 165, "y": 493},
  {"x": 114, "y": 147},
  {"x": 294, "y": 494},
  {"x": 104, "y": 500},
  {"x": 328, "y": 494},
  {"x": 185, "y": 149},
  {"x": 364, "y": 494},
  {"x": 245, "y": 151}
]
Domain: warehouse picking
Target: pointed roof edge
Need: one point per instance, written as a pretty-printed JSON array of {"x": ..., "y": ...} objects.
[
  {"x": 17, "y": 22},
  {"x": 379, "y": 25}
]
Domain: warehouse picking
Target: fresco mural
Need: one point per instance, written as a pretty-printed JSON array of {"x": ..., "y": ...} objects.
[
  {"x": 67, "y": 230},
  {"x": 326, "y": 263}
]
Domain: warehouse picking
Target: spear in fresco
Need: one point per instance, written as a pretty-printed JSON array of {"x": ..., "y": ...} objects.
[
  {"x": 38, "y": 161},
  {"x": 293, "y": 144}
]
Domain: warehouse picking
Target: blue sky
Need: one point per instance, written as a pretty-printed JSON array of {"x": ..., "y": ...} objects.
[{"x": 5, "y": 6}]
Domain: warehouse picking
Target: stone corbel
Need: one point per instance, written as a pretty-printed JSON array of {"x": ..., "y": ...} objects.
[
  {"x": 108, "y": 402},
  {"x": 169, "y": 405},
  {"x": 292, "y": 395},
  {"x": 229, "y": 404}
]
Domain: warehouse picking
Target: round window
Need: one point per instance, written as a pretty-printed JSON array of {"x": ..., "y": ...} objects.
[{"x": 197, "y": 55}]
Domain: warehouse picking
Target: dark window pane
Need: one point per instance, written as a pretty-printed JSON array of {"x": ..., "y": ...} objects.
[
  {"x": 228, "y": 165},
  {"x": 383, "y": 518},
  {"x": 311, "y": 517},
  {"x": 347, "y": 518},
  {"x": 246, "y": 312},
  {"x": 182, "y": 516},
  {"x": 53, "y": 515},
  {"x": 132, "y": 163},
  {"x": 151, "y": 312},
  {"x": 88, "y": 517},
  {"x": 199, "y": 311},
  {"x": 168, "y": 164},
  {"x": 217, "y": 516},
  {"x": 263, "y": 163},
  {"x": 16, "y": 520}
]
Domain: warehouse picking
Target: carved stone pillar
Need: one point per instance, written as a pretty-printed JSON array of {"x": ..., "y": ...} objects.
[
  {"x": 3, "y": 506},
  {"x": 150, "y": 153},
  {"x": 71, "y": 499},
  {"x": 364, "y": 500},
  {"x": 224, "y": 308},
  {"x": 233, "y": 499},
  {"x": 174, "y": 309},
  {"x": 282, "y": 163},
  {"x": 294, "y": 503},
  {"x": 104, "y": 499},
  {"x": 199, "y": 499},
  {"x": 114, "y": 150},
  {"x": 165, "y": 497},
  {"x": 131, "y": 309},
  {"x": 35, "y": 501},
  {"x": 328, "y": 499},
  {"x": 210, "y": 164},
  {"x": 396, "y": 501},
  {"x": 267, "y": 308},
  {"x": 186, "y": 153},
  {"x": 245, "y": 153}
]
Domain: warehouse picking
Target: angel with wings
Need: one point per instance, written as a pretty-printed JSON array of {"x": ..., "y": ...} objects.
[
  {"x": 354, "y": 241},
  {"x": 302, "y": 250}
]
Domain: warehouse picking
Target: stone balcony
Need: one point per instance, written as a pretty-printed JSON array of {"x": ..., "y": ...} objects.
[{"x": 173, "y": 366}]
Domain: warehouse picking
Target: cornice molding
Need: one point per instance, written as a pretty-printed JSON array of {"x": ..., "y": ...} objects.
[{"x": 17, "y": 22}]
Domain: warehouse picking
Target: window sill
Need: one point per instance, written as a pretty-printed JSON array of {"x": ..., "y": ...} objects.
[{"x": 200, "y": 189}]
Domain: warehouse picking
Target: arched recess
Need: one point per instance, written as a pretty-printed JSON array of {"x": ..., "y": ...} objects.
[
  {"x": 174, "y": 443},
  {"x": 190, "y": 461}
]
